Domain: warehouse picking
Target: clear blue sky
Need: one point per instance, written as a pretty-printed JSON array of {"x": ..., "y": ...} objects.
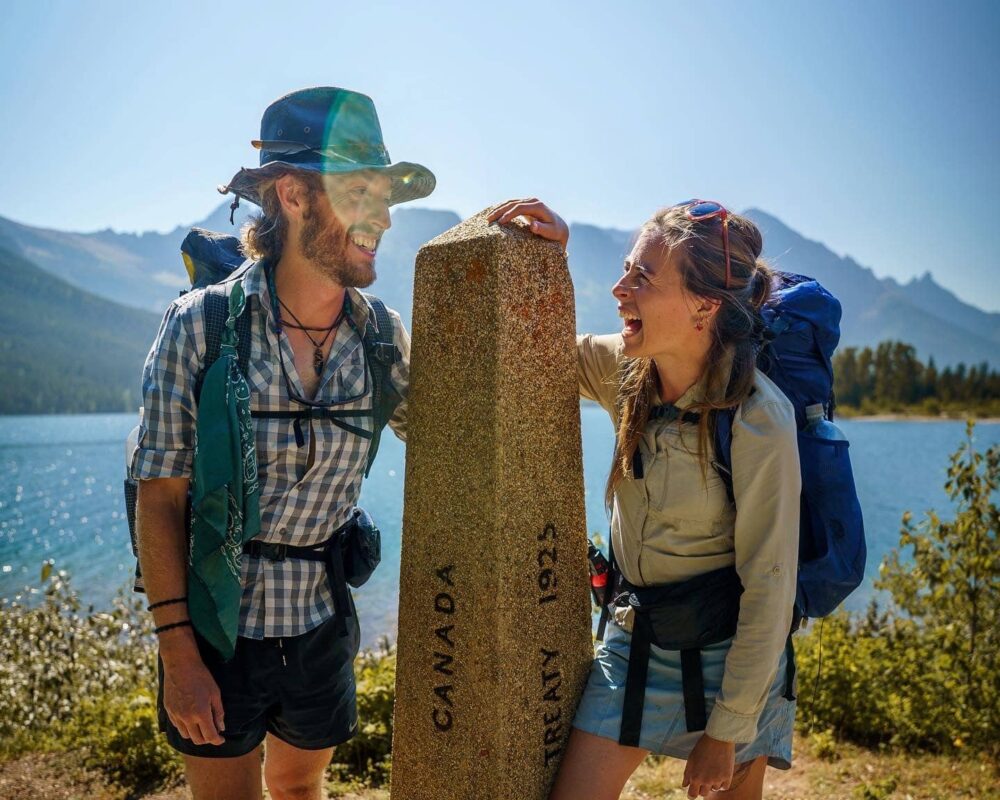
[{"x": 871, "y": 126}]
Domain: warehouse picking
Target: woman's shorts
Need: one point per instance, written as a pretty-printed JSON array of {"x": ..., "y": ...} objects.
[{"x": 664, "y": 729}]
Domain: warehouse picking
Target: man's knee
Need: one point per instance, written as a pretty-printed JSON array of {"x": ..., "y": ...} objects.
[
  {"x": 288, "y": 786},
  {"x": 299, "y": 791},
  {"x": 224, "y": 778},
  {"x": 294, "y": 774}
]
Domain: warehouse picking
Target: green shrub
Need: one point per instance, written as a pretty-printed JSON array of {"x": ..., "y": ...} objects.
[
  {"x": 366, "y": 759},
  {"x": 924, "y": 674},
  {"x": 52, "y": 655},
  {"x": 931, "y": 406},
  {"x": 880, "y": 790},
  {"x": 121, "y": 737},
  {"x": 824, "y": 745},
  {"x": 72, "y": 679},
  {"x": 875, "y": 680},
  {"x": 869, "y": 407}
]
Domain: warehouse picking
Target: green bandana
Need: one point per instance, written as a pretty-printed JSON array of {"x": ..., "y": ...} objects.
[{"x": 225, "y": 510}]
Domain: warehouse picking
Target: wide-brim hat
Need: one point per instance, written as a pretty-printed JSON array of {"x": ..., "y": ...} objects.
[{"x": 329, "y": 131}]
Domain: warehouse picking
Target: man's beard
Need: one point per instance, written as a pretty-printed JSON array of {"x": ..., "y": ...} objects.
[{"x": 326, "y": 244}]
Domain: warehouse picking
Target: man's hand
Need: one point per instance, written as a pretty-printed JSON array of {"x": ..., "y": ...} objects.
[
  {"x": 192, "y": 700},
  {"x": 709, "y": 767},
  {"x": 542, "y": 220},
  {"x": 191, "y": 697}
]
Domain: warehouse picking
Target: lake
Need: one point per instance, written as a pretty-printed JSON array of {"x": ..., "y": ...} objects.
[{"x": 61, "y": 498}]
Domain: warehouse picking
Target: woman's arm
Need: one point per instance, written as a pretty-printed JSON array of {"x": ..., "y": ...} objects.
[
  {"x": 597, "y": 368},
  {"x": 400, "y": 375},
  {"x": 766, "y": 485}
]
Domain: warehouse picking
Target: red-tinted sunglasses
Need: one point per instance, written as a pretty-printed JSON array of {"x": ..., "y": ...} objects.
[{"x": 700, "y": 210}]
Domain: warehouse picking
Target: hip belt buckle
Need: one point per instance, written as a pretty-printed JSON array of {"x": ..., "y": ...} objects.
[{"x": 273, "y": 551}]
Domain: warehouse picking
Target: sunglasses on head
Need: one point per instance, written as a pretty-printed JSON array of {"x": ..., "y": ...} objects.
[{"x": 701, "y": 210}]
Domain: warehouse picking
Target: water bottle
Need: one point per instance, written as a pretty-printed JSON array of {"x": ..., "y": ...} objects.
[
  {"x": 599, "y": 569},
  {"x": 131, "y": 493},
  {"x": 819, "y": 426},
  {"x": 131, "y": 442}
]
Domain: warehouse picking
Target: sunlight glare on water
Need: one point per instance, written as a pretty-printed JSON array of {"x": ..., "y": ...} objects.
[{"x": 61, "y": 498}]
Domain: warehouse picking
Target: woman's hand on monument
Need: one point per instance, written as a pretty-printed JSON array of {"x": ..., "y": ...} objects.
[
  {"x": 709, "y": 767},
  {"x": 542, "y": 220}
]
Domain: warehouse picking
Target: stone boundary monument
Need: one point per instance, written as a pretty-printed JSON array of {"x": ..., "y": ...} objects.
[{"x": 494, "y": 607}]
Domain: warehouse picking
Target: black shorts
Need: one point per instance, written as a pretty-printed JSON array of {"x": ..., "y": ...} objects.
[{"x": 300, "y": 689}]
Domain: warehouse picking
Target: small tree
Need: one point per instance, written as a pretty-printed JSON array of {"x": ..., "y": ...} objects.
[
  {"x": 951, "y": 590},
  {"x": 924, "y": 673}
]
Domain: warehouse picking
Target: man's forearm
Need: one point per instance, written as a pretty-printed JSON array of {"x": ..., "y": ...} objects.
[{"x": 162, "y": 539}]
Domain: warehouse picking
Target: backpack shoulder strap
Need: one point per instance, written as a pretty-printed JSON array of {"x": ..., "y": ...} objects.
[
  {"x": 380, "y": 354},
  {"x": 722, "y": 433},
  {"x": 216, "y": 314}
]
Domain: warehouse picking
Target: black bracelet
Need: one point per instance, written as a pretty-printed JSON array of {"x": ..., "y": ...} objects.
[
  {"x": 151, "y": 606},
  {"x": 183, "y": 624}
]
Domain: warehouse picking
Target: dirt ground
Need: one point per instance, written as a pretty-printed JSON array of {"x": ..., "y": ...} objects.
[{"x": 854, "y": 774}]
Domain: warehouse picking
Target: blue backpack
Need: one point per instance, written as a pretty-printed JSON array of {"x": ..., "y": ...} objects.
[{"x": 802, "y": 329}]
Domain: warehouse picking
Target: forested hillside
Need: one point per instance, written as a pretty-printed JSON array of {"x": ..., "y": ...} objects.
[
  {"x": 64, "y": 349},
  {"x": 890, "y": 378},
  {"x": 70, "y": 345}
]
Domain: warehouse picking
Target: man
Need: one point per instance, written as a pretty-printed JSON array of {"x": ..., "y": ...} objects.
[{"x": 324, "y": 184}]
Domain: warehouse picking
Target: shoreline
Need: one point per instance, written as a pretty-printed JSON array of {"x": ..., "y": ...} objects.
[
  {"x": 887, "y": 417},
  {"x": 882, "y": 417},
  {"x": 585, "y": 403}
]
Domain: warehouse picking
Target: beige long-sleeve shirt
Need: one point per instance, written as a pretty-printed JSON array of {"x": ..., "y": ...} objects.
[{"x": 677, "y": 522}]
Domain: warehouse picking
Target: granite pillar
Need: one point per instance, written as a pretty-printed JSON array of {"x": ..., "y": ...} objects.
[{"x": 494, "y": 610}]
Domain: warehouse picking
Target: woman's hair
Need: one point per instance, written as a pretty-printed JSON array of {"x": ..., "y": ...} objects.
[
  {"x": 700, "y": 258},
  {"x": 263, "y": 235}
]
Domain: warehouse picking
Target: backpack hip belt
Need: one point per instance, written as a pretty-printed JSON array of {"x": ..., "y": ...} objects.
[
  {"x": 684, "y": 616},
  {"x": 349, "y": 543}
]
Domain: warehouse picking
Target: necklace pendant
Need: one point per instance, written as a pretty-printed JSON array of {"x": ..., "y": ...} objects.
[{"x": 318, "y": 361}]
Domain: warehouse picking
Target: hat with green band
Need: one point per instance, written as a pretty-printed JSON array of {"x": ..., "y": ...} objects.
[{"x": 330, "y": 131}]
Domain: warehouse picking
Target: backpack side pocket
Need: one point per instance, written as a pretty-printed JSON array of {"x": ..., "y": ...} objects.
[{"x": 832, "y": 550}]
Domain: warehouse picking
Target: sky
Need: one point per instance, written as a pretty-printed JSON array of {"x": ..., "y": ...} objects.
[{"x": 869, "y": 126}]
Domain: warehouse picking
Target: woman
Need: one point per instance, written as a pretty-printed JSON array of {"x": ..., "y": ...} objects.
[{"x": 690, "y": 296}]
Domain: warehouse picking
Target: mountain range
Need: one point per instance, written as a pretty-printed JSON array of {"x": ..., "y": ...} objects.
[{"x": 110, "y": 289}]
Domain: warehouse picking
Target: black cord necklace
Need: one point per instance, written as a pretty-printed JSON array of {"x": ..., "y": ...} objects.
[{"x": 318, "y": 359}]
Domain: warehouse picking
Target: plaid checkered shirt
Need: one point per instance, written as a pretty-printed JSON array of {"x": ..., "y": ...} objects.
[{"x": 302, "y": 500}]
